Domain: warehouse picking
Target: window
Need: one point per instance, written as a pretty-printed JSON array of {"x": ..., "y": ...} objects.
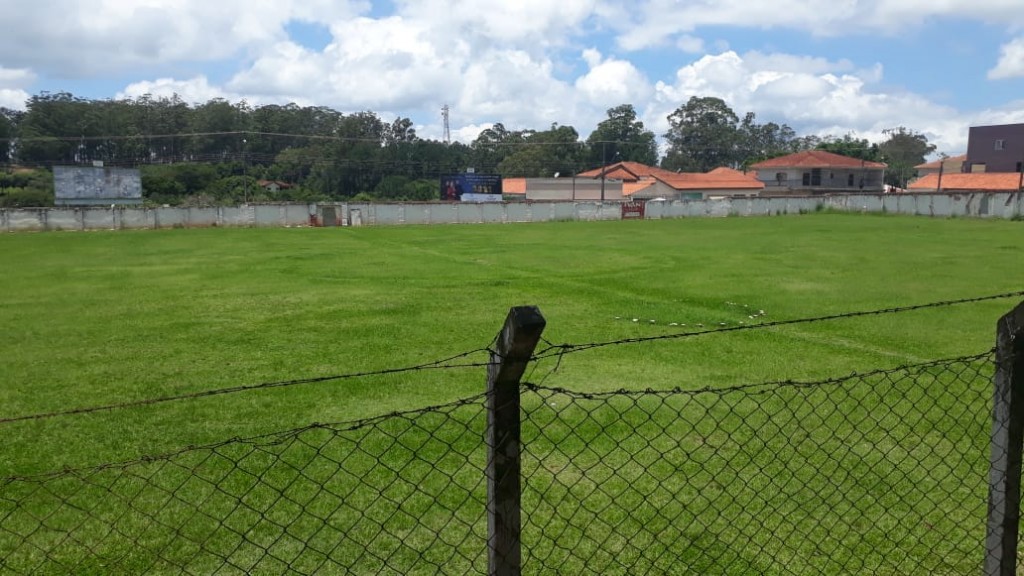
[
  {"x": 781, "y": 177},
  {"x": 807, "y": 179},
  {"x": 849, "y": 180},
  {"x": 1000, "y": 144},
  {"x": 816, "y": 177}
]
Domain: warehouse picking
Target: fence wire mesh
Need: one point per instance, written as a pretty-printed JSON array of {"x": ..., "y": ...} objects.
[
  {"x": 880, "y": 473},
  {"x": 883, "y": 473},
  {"x": 403, "y": 494}
]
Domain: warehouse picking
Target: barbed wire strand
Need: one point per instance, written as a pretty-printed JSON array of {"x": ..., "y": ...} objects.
[
  {"x": 563, "y": 349},
  {"x": 762, "y": 387},
  {"x": 274, "y": 438},
  {"x": 269, "y": 439},
  {"x": 551, "y": 351},
  {"x": 443, "y": 364}
]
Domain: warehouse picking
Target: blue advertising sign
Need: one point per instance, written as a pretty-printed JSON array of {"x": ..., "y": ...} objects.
[{"x": 456, "y": 187}]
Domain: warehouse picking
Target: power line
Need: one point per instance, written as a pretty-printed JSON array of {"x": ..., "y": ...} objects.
[
  {"x": 256, "y": 133},
  {"x": 559, "y": 350},
  {"x": 553, "y": 350},
  {"x": 763, "y": 387},
  {"x": 443, "y": 364}
]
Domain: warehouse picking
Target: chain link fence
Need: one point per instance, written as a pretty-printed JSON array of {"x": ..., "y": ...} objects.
[
  {"x": 880, "y": 473},
  {"x": 402, "y": 494}
]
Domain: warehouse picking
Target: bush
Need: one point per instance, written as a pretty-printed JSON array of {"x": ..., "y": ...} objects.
[{"x": 25, "y": 198}]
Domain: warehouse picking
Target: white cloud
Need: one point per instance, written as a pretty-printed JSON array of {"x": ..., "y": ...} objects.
[
  {"x": 90, "y": 38},
  {"x": 1011, "y": 61},
  {"x": 690, "y": 44},
  {"x": 655, "y": 21},
  {"x": 515, "y": 62},
  {"x": 795, "y": 64},
  {"x": 512, "y": 87},
  {"x": 13, "y": 84},
  {"x": 13, "y": 99},
  {"x": 470, "y": 132},
  {"x": 812, "y": 103},
  {"x": 371, "y": 63},
  {"x": 611, "y": 82},
  {"x": 194, "y": 90},
  {"x": 535, "y": 23}
]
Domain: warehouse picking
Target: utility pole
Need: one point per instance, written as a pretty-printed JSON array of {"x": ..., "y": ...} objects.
[
  {"x": 245, "y": 173},
  {"x": 1020, "y": 182},
  {"x": 604, "y": 166},
  {"x": 445, "y": 114}
]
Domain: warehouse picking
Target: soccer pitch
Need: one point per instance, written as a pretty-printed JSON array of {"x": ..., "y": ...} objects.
[{"x": 106, "y": 317}]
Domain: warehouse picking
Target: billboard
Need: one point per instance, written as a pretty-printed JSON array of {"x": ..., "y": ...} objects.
[
  {"x": 96, "y": 186},
  {"x": 633, "y": 210},
  {"x": 471, "y": 188}
]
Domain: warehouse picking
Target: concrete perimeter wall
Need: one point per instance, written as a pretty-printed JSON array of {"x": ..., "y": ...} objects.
[{"x": 981, "y": 205}]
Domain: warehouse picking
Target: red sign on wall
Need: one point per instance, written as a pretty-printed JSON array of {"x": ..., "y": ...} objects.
[{"x": 633, "y": 211}]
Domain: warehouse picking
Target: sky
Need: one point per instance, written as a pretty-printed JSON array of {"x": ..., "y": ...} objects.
[{"x": 826, "y": 67}]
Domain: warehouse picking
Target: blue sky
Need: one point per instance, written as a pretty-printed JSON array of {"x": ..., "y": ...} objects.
[{"x": 822, "y": 66}]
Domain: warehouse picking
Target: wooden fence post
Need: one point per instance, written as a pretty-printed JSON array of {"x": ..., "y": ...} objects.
[
  {"x": 1007, "y": 445},
  {"x": 516, "y": 342}
]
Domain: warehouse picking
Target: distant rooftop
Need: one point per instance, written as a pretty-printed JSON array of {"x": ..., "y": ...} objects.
[{"x": 816, "y": 159}]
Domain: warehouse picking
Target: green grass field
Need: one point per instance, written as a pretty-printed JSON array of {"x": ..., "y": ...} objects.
[{"x": 99, "y": 318}]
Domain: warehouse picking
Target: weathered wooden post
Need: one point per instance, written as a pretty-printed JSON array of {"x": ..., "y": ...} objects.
[
  {"x": 1007, "y": 445},
  {"x": 515, "y": 346}
]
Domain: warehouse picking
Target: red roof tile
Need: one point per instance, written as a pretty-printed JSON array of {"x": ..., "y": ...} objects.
[
  {"x": 816, "y": 159},
  {"x": 936, "y": 164},
  {"x": 625, "y": 171},
  {"x": 717, "y": 179},
  {"x": 630, "y": 188},
  {"x": 976, "y": 181}
]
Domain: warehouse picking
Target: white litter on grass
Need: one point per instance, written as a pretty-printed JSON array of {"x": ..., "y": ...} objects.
[{"x": 747, "y": 308}]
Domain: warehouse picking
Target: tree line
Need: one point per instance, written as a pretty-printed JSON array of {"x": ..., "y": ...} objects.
[{"x": 221, "y": 152}]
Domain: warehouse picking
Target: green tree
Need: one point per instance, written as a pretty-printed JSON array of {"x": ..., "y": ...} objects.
[
  {"x": 26, "y": 188},
  {"x": 763, "y": 141},
  {"x": 545, "y": 154},
  {"x": 621, "y": 136},
  {"x": 703, "y": 135},
  {"x": 903, "y": 150},
  {"x": 49, "y": 122},
  {"x": 8, "y": 133},
  {"x": 848, "y": 145},
  {"x": 493, "y": 145},
  {"x": 210, "y": 121}
]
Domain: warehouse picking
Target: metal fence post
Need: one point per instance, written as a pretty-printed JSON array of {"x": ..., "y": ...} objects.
[
  {"x": 516, "y": 342},
  {"x": 1007, "y": 445}
]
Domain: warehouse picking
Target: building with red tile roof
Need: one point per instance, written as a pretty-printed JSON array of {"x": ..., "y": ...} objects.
[
  {"x": 625, "y": 171},
  {"x": 646, "y": 182},
  {"x": 951, "y": 165},
  {"x": 968, "y": 182},
  {"x": 561, "y": 189},
  {"x": 720, "y": 182},
  {"x": 818, "y": 172},
  {"x": 274, "y": 185}
]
